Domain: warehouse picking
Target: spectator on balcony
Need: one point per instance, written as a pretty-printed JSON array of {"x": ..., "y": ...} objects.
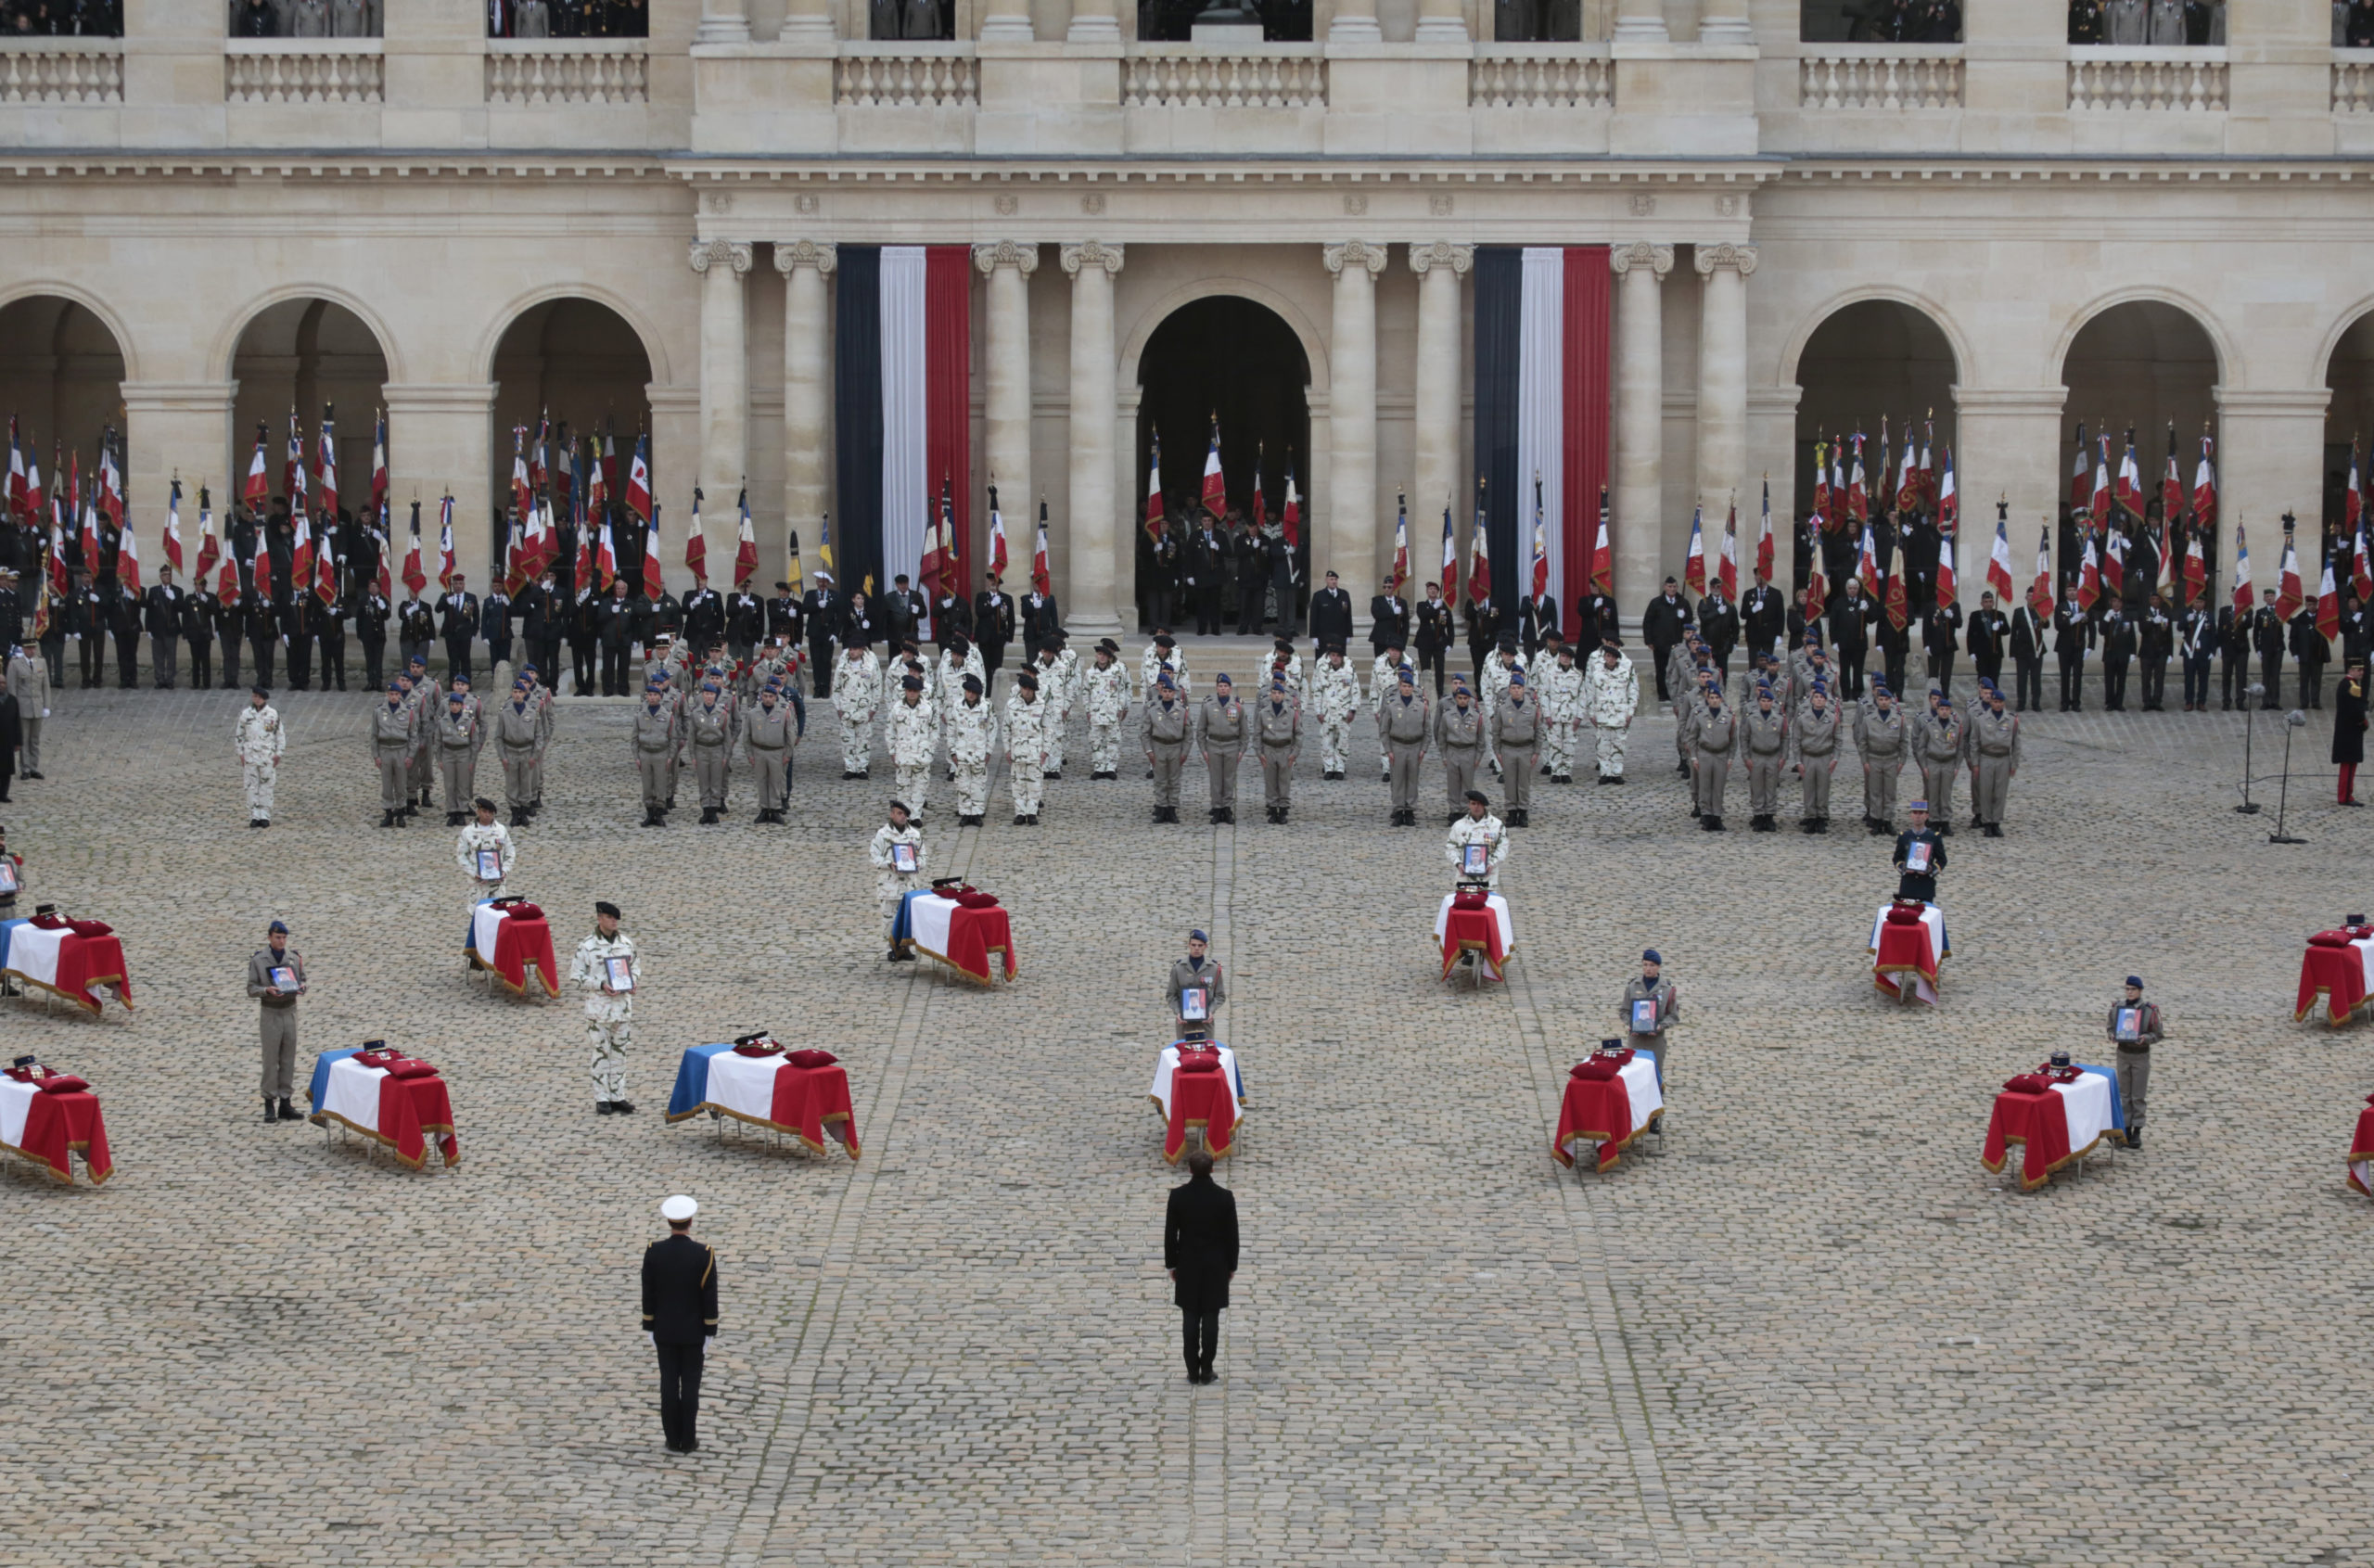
[
  {"x": 2205, "y": 23},
  {"x": 530, "y": 18},
  {"x": 2360, "y": 32},
  {"x": 349, "y": 19},
  {"x": 2168, "y": 23},
  {"x": 309, "y": 19},
  {"x": 2084, "y": 21},
  {"x": 2129, "y": 22}
]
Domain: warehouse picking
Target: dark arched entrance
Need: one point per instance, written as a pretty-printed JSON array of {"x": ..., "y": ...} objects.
[
  {"x": 1229, "y": 359},
  {"x": 62, "y": 378},
  {"x": 2146, "y": 366},
  {"x": 303, "y": 361},
  {"x": 578, "y": 364}
]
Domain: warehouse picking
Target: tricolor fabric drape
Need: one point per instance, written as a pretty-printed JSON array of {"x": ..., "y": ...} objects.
[
  {"x": 1542, "y": 336},
  {"x": 902, "y": 389}
]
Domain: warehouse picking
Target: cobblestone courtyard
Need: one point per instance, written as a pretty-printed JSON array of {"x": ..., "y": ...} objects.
[{"x": 1808, "y": 1331}]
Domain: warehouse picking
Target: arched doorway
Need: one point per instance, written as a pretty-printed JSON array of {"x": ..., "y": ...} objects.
[
  {"x": 1871, "y": 362},
  {"x": 2148, "y": 367},
  {"x": 2349, "y": 417},
  {"x": 582, "y": 367},
  {"x": 62, "y": 379},
  {"x": 1237, "y": 361},
  {"x": 309, "y": 361}
]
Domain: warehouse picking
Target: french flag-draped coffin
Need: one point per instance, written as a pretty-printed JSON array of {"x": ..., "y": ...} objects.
[
  {"x": 902, "y": 343},
  {"x": 1541, "y": 407}
]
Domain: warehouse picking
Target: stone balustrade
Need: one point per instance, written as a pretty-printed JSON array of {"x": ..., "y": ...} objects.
[
  {"x": 61, "y": 71},
  {"x": 1880, "y": 76},
  {"x": 568, "y": 70},
  {"x": 303, "y": 70},
  {"x": 2147, "y": 80}
]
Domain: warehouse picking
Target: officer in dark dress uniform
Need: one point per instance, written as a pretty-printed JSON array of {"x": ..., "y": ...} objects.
[
  {"x": 371, "y": 612},
  {"x": 1911, "y": 884},
  {"x": 1199, "y": 1247},
  {"x": 679, "y": 1314},
  {"x": 823, "y": 611},
  {"x": 992, "y": 629}
]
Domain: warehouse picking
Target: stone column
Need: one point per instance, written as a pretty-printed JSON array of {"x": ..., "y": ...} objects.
[
  {"x": 1640, "y": 21},
  {"x": 725, "y": 383},
  {"x": 1434, "y": 479},
  {"x": 1355, "y": 22},
  {"x": 807, "y": 379},
  {"x": 2270, "y": 461},
  {"x": 1005, "y": 415},
  {"x": 1639, "y": 492},
  {"x": 1722, "y": 375},
  {"x": 1724, "y": 22},
  {"x": 1091, "y": 265},
  {"x": 1440, "y": 21},
  {"x": 170, "y": 428},
  {"x": 1094, "y": 21},
  {"x": 1351, "y": 508},
  {"x": 675, "y": 461},
  {"x": 440, "y": 439},
  {"x": 723, "y": 21},
  {"x": 1129, "y": 492},
  {"x": 1007, "y": 21},
  {"x": 808, "y": 22}
]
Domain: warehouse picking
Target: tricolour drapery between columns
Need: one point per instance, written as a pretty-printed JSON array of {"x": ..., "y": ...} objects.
[
  {"x": 903, "y": 393},
  {"x": 1542, "y": 335}
]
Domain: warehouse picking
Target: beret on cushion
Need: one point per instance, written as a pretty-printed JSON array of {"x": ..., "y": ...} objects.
[
  {"x": 410, "y": 1067},
  {"x": 1595, "y": 1069},
  {"x": 1469, "y": 898},
  {"x": 812, "y": 1058},
  {"x": 2329, "y": 939},
  {"x": 1904, "y": 914},
  {"x": 1199, "y": 1059},
  {"x": 758, "y": 1048}
]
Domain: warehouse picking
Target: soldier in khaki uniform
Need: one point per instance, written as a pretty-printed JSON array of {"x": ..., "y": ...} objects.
[
  {"x": 277, "y": 1011},
  {"x": 1994, "y": 752},
  {"x": 1516, "y": 735},
  {"x": 769, "y": 732},
  {"x": 1763, "y": 741},
  {"x": 610, "y": 1006},
  {"x": 1813, "y": 752},
  {"x": 427, "y": 701},
  {"x": 1714, "y": 733},
  {"x": 710, "y": 730},
  {"x": 1458, "y": 741},
  {"x": 1646, "y": 1031},
  {"x": 456, "y": 740},
  {"x": 1219, "y": 734},
  {"x": 1879, "y": 741},
  {"x": 654, "y": 752},
  {"x": 1403, "y": 724},
  {"x": 394, "y": 737},
  {"x": 1278, "y": 726},
  {"x": 1938, "y": 745},
  {"x": 1165, "y": 727},
  {"x": 519, "y": 747}
]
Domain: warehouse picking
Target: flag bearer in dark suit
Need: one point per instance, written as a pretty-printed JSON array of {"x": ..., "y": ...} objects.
[
  {"x": 1199, "y": 1248},
  {"x": 679, "y": 1314}
]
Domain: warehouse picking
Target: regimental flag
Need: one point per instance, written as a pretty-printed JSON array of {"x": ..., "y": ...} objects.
[
  {"x": 745, "y": 542},
  {"x": 997, "y": 535},
  {"x": 1883, "y": 491},
  {"x": 2328, "y": 604},
  {"x": 1838, "y": 474},
  {"x": 19, "y": 497},
  {"x": 379, "y": 473},
  {"x": 1290, "y": 515},
  {"x": 1907, "y": 474},
  {"x": 1540, "y": 328},
  {"x": 325, "y": 464},
  {"x": 1899, "y": 610},
  {"x": 639, "y": 479},
  {"x": 2287, "y": 598},
  {"x": 1818, "y": 586},
  {"x": 2100, "y": 502},
  {"x": 1260, "y": 498},
  {"x": 379, "y": 546},
  {"x": 1479, "y": 552},
  {"x": 605, "y": 560},
  {"x": 1927, "y": 494},
  {"x": 2089, "y": 577},
  {"x": 2241, "y": 572},
  {"x": 1947, "y": 589},
  {"x": 257, "y": 494},
  {"x": 2361, "y": 571},
  {"x": 825, "y": 545},
  {"x": 445, "y": 544},
  {"x": 515, "y": 553},
  {"x": 1215, "y": 492},
  {"x": 1825, "y": 515},
  {"x": 597, "y": 480},
  {"x": 1867, "y": 564},
  {"x": 326, "y": 561},
  {"x": 1450, "y": 561},
  {"x": 543, "y": 543},
  {"x": 174, "y": 525},
  {"x": 523, "y": 486},
  {"x": 209, "y": 548},
  {"x": 301, "y": 548},
  {"x": 799, "y": 568},
  {"x": 654, "y": 583},
  {"x": 1998, "y": 559},
  {"x": 2352, "y": 496},
  {"x": 1154, "y": 492},
  {"x": 2196, "y": 569},
  {"x": 2172, "y": 485},
  {"x": 933, "y": 569},
  {"x": 2040, "y": 591},
  {"x": 127, "y": 561},
  {"x": 41, "y": 601},
  {"x": 1400, "y": 537},
  {"x": 1602, "y": 578},
  {"x": 2204, "y": 491},
  {"x": 36, "y": 504},
  {"x": 1949, "y": 503},
  {"x": 539, "y": 455},
  {"x": 292, "y": 462},
  {"x": 1859, "y": 504},
  {"x": 1727, "y": 569},
  {"x": 1693, "y": 562},
  {"x": 696, "y": 538},
  {"x": 583, "y": 573},
  {"x": 1043, "y": 580},
  {"x": 414, "y": 578},
  {"x": 2115, "y": 563},
  {"x": 2128, "y": 494},
  {"x": 2079, "y": 491},
  {"x": 110, "y": 482},
  {"x": 86, "y": 522},
  {"x": 1537, "y": 577}
]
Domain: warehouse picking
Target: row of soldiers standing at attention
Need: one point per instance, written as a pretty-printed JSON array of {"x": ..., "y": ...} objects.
[
  {"x": 701, "y": 715},
  {"x": 1783, "y": 717},
  {"x": 423, "y": 736}
]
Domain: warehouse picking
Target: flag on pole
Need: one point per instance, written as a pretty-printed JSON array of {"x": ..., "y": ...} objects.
[
  {"x": 1290, "y": 517},
  {"x": 326, "y": 562},
  {"x": 539, "y": 455},
  {"x": 2196, "y": 569},
  {"x": 2040, "y": 591},
  {"x": 1817, "y": 586},
  {"x": 210, "y": 549},
  {"x": 2205, "y": 490},
  {"x": 2172, "y": 485},
  {"x": 300, "y": 549},
  {"x": 2089, "y": 577},
  {"x": 2361, "y": 571},
  {"x": 1867, "y": 564},
  {"x": 605, "y": 560},
  {"x": 1154, "y": 492},
  {"x": 1907, "y": 474},
  {"x": 173, "y": 526},
  {"x": 445, "y": 544},
  {"x": 325, "y": 465},
  {"x": 1539, "y": 576},
  {"x": 36, "y": 504},
  {"x": 799, "y": 568},
  {"x": 414, "y": 578},
  {"x": 1824, "y": 517},
  {"x": 2328, "y": 604},
  {"x": 2115, "y": 563},
  {"x": 1260, "y": 497},
  {"x": 1728, "y": 569},
  {"x": 2078, "y": 475},
  {"x": 2241, "y": 572},
  {"x": 292, "y": 462},
  {"x": 86, "y": 522},
  {"x": 1693, "y": 564},
  {"x": 2099, "y": 506},
  {"x": 1450, "y": 561},
  {"x": 523, "y": 484},
  {"x": 1041, "y": 579},
  {"x": 378, "y": 541},
  {"x": 1859, "y": 504},
  {"x": 695, "y": 537},
  {"x": 2287, "y": 598},
  {"x": 1998, "y": 559},
  {"x": 1603, "y": 577},
  {"x": 127, "y": 561},
  {"x": 542, "y": 547},
  {"x": 824, "y": 542},
  {"x": 258, "y": 494},
  {"x": 379, "y": 467},
  {"x": 1882, "y": 477},
  {"x": 1947, "y": 587},
  {"x": 110, "y": 482},
  {"x": 20, "y": 498},
  {"x": 1215, "y": 483},
  {"x": 1480, "y": 553},
  {"x": 639, "y": 478},
  {"x": 932, "y": 567},
  {"x": 1899, "y": 610},
  {"x": 2353, "y": 495},
  {"x": 746, "y": 542},
  {"x": 1949, "y": 503},
  {"x": 1927, "y": 493},
  {"x": 997, "y": 534},
  {"x": 2129, "y": 492},
  {"x": 653, "y": 582},
  {"x": 1400, "y": 540},
  {"x": 41, "y": 601}
]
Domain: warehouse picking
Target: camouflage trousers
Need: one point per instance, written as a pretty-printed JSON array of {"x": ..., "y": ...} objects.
[{"x": 609, "y": 1039}]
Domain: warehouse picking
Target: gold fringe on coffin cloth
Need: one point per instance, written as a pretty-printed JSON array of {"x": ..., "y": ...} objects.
[
  {"x": 77, "y": 998},
  {"x": 849, "y": 1148},
  {"x": 552, "y": 985},
  {"x": 996, "y": 969},
  {"x": 427, "y": 1138},
  {"x": 84, "y": 1149},
  {"x": 1566, "y": 1151},
  {"x": 2334, "y": 1020},
  {"x": 2011, "y": 1142}
]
